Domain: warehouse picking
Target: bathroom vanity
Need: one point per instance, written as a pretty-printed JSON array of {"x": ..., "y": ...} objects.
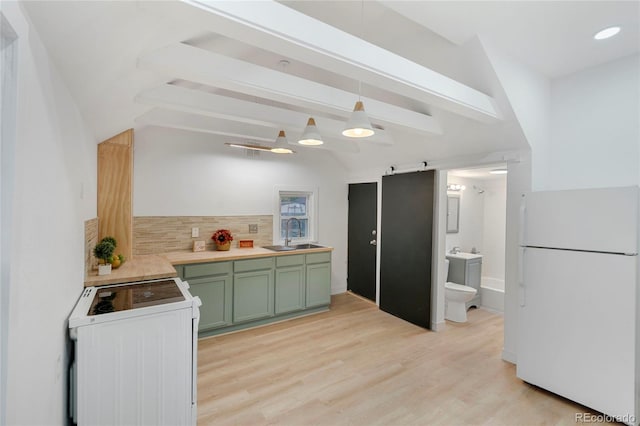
[{"x": 466, "y": 269}]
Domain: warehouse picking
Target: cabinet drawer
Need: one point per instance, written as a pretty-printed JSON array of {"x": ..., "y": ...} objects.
[
  {"x": 206, "y": 269},
  {"x": 253, "y": 264},
  {"x": 319, "y": 257},
  {"x": 292, "y": 260}
]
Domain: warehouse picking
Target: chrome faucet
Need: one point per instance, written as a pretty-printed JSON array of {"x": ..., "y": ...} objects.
[
  {"x": 287, "y": 240},
  {"x": 455, "y": 250}
]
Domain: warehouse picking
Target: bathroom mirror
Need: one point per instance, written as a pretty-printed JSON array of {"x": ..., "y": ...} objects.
[{"x": 453, "y": 214}]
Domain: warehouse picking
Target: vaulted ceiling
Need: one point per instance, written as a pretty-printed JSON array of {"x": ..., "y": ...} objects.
[{"x": 242, "y": 70}]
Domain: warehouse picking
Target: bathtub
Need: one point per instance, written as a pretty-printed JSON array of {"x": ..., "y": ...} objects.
[{"x": 492, "y": 294}]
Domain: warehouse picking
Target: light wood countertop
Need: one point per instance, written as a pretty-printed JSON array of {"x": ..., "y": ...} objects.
[
  {"x": 154, "y": 266},
  {"x": 145, "y": 267},
  {"x": 184, "y": 257}
]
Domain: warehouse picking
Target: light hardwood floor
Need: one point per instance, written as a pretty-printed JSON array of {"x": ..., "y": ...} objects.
[{"x": 356, "y": 365}]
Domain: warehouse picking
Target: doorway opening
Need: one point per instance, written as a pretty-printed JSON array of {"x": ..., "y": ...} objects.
[{"x": 476, "y": 233}]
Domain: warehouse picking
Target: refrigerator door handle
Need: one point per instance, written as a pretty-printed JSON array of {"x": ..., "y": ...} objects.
[
  {"x": 522, "y": 299},
  {"x": 523, "y": 218}
]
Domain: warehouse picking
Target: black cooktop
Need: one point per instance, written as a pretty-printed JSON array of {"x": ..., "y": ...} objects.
[{"x": 138, "y": 295}]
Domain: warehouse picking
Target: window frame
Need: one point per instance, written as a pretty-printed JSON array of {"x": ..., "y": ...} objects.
[{"x": 312, "y": 212}]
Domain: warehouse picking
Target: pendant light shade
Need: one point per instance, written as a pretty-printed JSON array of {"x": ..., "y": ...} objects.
[
  {"x": 311, "y": 135},
  {"x": 358, "y": 125},
  {"x": 281, "y": 146}
]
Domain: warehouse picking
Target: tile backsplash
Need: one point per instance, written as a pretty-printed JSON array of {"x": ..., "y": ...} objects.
[
  {"x": 90, "y": 241},
  {"x": 162, "y": 234}
]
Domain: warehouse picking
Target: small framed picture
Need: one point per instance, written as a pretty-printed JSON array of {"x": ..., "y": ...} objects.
[
  {"x": 245, "y": 244},
  {"x": 198, "y": 246}
]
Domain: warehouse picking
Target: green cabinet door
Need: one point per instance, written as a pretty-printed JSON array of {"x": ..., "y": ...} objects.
[
  {"x": 318, "y": 291},
  {"x": 215, "y": 293},
  {"x": 289, "y": 289},
  {"x": 253, "y": 295}
]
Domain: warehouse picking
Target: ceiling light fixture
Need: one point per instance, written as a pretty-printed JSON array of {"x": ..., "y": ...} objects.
[
  {"x": 359, "y": 125},
  {"x": 455, "y": 187},
  {"x": 310, "y": 136},
  {"x": 281, "y": 146},
  {"x": 498, "y": 171},
  {"x": 606, "y": 33},
  {"x": 249, "y": 146}
]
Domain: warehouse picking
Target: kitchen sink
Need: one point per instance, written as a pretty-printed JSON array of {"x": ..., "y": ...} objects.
[
  {"x": 291, "y": 248},
  {"x": 279, "y": 248},
  {"x": 307, "y": 246}
]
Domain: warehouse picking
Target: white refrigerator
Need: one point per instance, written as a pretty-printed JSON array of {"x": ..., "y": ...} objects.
[{"x": 578, "y": 296}]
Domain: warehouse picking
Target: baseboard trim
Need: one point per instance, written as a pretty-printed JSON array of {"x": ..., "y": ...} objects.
[
  {"x": 438, "y": 326},
  {"x": 509, "y": 356}
]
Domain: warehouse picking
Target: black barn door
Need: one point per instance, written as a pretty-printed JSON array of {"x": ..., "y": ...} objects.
[
  {"x": 362, "y": 239},
  {"x": 406, "y": 245}
]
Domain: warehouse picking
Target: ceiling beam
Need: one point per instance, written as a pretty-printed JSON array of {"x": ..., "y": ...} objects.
[
  {"x": 275, "y": 27},
  {"x": 250, "y": 113},
  {"x": 233, "y": 130},
  {"x": 181, "y": 61}
]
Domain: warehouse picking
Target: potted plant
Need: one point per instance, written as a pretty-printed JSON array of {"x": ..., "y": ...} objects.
[
  {"x": 103, "y": 251},
  {"x": 222, "y": 238}
]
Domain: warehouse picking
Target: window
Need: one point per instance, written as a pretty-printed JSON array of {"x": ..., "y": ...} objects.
[{"x": 296, "y": 214}]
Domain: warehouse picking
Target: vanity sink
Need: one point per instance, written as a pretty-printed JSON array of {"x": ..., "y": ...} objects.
[
  {"x": 291, "y": 248},
  {"x": 465, "y": 256}
]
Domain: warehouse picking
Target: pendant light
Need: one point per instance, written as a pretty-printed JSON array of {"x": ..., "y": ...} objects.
[
  {"x": 359, "y": 125},
  {"x": 310, "y": 136},
  {"x": 281, "y": 146}
]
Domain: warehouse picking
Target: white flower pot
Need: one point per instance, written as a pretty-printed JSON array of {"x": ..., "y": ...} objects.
[{"x": 104, "y": 269}]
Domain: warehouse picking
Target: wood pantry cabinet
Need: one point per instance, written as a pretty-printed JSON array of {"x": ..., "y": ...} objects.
[{"x": 249, "y": 292}]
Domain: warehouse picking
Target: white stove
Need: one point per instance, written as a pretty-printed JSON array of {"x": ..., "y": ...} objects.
[{"x": 135, "y": 354}]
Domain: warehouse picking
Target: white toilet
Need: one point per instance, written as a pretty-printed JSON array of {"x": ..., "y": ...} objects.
[{"x": 456, "y": 296}]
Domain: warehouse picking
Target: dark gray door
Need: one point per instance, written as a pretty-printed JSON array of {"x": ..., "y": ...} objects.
[
  {"x": 362, "y": 239},
  {"x": 405, "y": 252}
]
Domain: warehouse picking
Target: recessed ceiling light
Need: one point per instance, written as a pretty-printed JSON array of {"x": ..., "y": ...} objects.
[
  {"x": 606, "y": 33},
  {"x": 498, "y": 172}
]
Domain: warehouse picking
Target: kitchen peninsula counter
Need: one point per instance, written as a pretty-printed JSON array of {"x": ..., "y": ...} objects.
[{"x": 139, "y": 268}]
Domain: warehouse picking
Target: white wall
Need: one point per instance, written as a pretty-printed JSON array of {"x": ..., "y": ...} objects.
[
  {"x": 55, "y": 158},
  {"x": 529, "y": 94},
  {"x": 595, "y": 127},
  {"x": 494, "y": 230},
  {"x": 471, "y": 212},
  {"x": 482, "y": 224},
  {"x": 181, "y": 173}
]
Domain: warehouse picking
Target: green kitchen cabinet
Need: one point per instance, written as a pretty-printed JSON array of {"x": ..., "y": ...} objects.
[
  {"x": 213, "y": 283},
  {"x": 318, "y": 282},
  {"x": 215, "y": 293},
  {"x": 243, "y": 293},
  {"x": 290, "y": 284},
  {"x": 253, "y": 289}
]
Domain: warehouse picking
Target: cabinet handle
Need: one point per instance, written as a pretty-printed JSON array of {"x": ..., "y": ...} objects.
[{"x": 373, "y": 242}]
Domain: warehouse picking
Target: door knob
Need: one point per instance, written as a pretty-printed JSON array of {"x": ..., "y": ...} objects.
[{"x": 373, "y": 242}]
